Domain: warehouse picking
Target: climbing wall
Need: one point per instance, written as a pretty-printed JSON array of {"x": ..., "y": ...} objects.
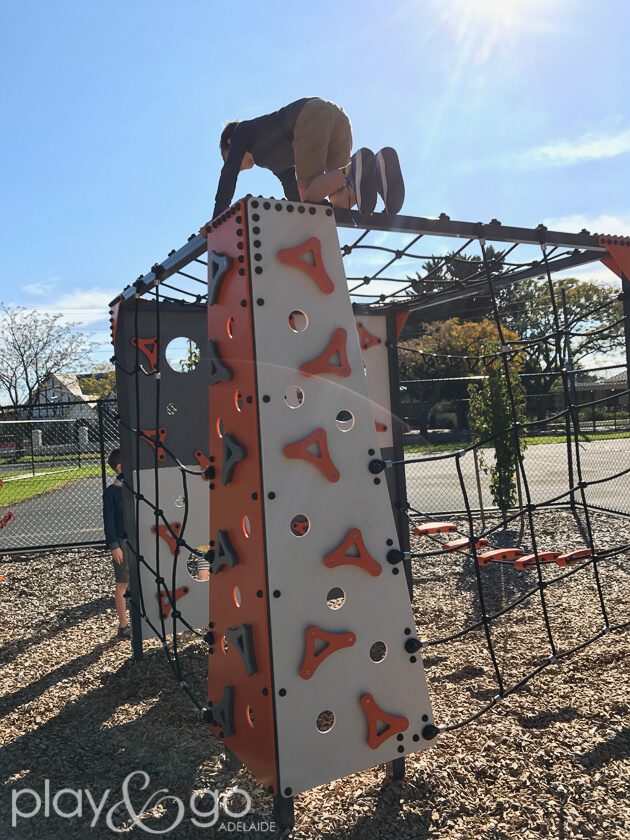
[
  {"x": 182, "y": 428},
  {"x": 314, "y": 672}
]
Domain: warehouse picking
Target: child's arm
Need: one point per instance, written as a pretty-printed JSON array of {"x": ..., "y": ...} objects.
[
  {"x": 109, "y": 523},
  {"x": 229, "y": 173}
]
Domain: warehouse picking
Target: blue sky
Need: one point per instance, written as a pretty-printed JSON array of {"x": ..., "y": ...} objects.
[{"x": 515, "y": 109}]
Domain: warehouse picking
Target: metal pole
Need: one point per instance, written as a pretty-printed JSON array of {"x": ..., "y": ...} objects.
[
  {"x": 570, "y": 383},
  {"x": 625, "y": 288},
  {"x": 101, "y": 443}
]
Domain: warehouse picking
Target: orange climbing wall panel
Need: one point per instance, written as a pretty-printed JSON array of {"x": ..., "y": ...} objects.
[{"x": 238, "y": 594}]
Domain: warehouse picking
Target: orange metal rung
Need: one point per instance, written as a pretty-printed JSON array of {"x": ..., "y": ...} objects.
[
  {"x": 316, "y": 270},
  {"x": 363, "y": 559},
  {"x": 434, "y": 528},
  {"x": 528, "y": 561},
  {"x": 571, "y": 558},
  {"x": 323, "y": 363},
  {"x": 498, "y": 555},
  {"x": 463, "y": 544},
  {"x": 320, "y": 459},
  {"x": 375, "y": 715},
  {"x": 332, "y": 642}
]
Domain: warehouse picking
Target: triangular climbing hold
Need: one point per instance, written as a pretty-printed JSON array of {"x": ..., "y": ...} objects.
[
  {"x": 218, "y": 372},
  {"x": 316, "y": 271},
  {"x": 223, "y": 712},
  {"x": 331, "y": 642},
  {"x": 352, "y": 552},
  {"x": 320, "y": 458},
  {"x": 391, "y": 724},
  {"x": 324, "y": 363},
  {"x": 366, "y": 339},
  {"x": 242, "y": 639},
  {"x": 149, "y": 347},
  {"x": 170, "y": 534},
  {"x": 167, "y": 599},
  {"x": 219, "y": 266},
  {"x": 225, "y": 554},
  {"x": 233, "y": 452}
]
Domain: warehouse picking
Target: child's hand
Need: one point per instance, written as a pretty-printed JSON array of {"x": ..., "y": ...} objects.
[{"x": 117, "y": 555}]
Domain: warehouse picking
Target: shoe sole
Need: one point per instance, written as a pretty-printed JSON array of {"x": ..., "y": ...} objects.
[
  {"x": 366, "y": 193},
  {"x": 391, "y": 180}
]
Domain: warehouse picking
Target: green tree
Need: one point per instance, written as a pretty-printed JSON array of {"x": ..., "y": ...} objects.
[{"x": 493, "y": 413}]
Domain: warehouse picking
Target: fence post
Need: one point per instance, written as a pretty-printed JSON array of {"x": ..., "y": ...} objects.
[{"x": 101, "y": 443}]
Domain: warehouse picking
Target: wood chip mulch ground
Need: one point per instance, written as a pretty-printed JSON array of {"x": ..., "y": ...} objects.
[{"x": 552, "y": 760}]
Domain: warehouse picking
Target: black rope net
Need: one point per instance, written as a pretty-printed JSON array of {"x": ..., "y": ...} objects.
[{"x": 380, "y": 269}]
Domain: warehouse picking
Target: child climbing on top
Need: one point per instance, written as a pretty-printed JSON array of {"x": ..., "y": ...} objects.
[
  {"x": 308, "y": 146},
  {"x": 114, "y": 524}
]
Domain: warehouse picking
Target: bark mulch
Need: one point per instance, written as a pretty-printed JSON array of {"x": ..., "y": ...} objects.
[{"x": 552, "y": 760}]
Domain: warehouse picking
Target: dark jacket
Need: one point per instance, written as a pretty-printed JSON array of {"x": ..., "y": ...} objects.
[
  {"x": 113, "y": 519},
  {"x": 270, "y": 140}
]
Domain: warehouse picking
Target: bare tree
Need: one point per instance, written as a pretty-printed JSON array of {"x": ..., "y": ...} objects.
[{"x": 34, "y": 345}]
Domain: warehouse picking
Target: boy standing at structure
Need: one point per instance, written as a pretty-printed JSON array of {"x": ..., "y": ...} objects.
[
  {"x": 308, "y": 146},
  {"x": 115, "y": 535}
]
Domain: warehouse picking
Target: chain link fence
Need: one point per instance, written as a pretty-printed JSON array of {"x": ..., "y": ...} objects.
[
  {"x": 439, "y": 424},
  {"x": 53, "y": 469}
]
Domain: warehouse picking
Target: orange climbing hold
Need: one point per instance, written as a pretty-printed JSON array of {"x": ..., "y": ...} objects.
[
  {"x": 167, "y": 597},
  {"x": 321, "y": 459},
  {"x": 392, "y": 724},
  {"x": 170, "y": 534},
  {"x": 315, "y": 654},
  {"x": 150, "y": 436},
  {"x": 149, "y": 347},
  {"x": 326, "y": 361},
  {"x": 352, "y": 552},
  {"x": 366, "y": 339},
  {"x": 313, "y": 265},
  {"x": 434, "y": 528},
  {"x": 205, "y": 464}
]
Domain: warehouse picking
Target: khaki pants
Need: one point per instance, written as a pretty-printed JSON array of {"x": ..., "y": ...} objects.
[{"x": 322, "y": 140}]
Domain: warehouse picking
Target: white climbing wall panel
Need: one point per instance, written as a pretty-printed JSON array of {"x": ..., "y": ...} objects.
[{"x": 367, "y": 608}]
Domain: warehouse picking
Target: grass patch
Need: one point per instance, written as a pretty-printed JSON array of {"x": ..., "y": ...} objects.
[{"x": 27, "y": 488}]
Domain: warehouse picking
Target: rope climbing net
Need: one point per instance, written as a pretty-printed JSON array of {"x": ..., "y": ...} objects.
[{"x": 380, "y": 267}]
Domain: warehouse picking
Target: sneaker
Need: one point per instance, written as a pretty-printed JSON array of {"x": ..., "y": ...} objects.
[
  {"x": 390, "y": 180},
  {"x": 363, "y": 180},
  {"x": 124, "y": 632}
]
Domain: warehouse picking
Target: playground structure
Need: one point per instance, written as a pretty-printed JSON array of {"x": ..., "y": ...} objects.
[{"x": 306, "y": 529}]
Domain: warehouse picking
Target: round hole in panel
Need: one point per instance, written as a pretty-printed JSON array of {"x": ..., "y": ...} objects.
[
  {"x": 344, "y": 420},
  {"x": 294, "y": 396},
  {"x": 300, "y": 525},
  {"x": 378, "y": 651},
  {"x": 224, "y": 645},
  {"x": 219, "y": 427},
  {"x": 171, "y": 409},
  {"x": 336, "y": 598},
  {"x": 229, "y": 327},
  {"x": 298, "y": 321},
  {"x": 238, "y": 400},
  {"x": 249, "y": 715},
  {"x": 182, "y": 354},
  {"x": 197, "y": 565},
  {"x": 246, "y": 527},
  {"x": 236, "y": 596},
  {"x": 325, "y": 721}
]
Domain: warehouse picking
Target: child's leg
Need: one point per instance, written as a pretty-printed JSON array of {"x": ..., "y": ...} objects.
[
  {"x": 322, "y": 144},
  {"x": 121, "y": 606}
]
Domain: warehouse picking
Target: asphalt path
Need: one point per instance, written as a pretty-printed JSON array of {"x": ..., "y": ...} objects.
[
  {"x": 433, "y": 486},
  {"x": 73, "y": 513}
]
